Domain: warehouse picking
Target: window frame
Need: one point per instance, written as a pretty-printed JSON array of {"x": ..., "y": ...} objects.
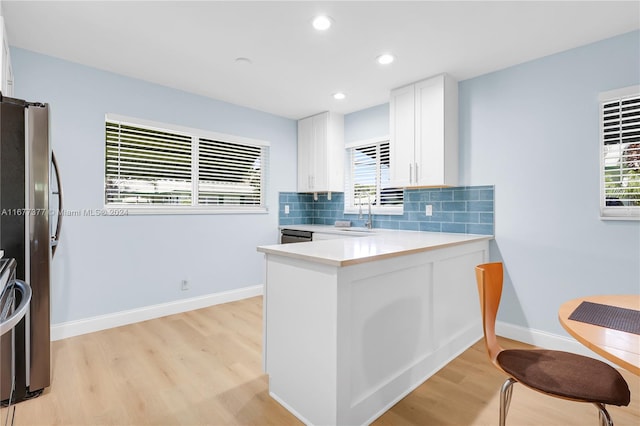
[
  {"x": 194, "y": 207},
  {"x": 349, "y": 207},
  {"x": 610, "y": 212}
]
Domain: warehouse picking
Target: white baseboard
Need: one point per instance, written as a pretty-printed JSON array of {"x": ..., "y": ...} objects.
[
  {"x": 117, "y": 319},
  {"x": 545, "y": 340}
]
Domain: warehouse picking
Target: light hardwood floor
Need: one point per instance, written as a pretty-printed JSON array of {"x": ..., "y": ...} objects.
[{"x": 204, "y": 368}]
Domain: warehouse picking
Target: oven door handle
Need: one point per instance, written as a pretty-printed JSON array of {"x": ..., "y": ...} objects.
[{"x": 21, "y": 310}]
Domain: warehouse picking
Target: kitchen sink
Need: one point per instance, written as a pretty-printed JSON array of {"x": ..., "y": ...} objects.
[{"x": 359, "y": 230}]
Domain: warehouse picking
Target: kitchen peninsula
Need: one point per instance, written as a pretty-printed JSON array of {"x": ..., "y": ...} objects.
[{"x": 352, "y": 325}]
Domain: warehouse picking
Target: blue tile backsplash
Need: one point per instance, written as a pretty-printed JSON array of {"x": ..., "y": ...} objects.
[{"x": 466, "y": 209}]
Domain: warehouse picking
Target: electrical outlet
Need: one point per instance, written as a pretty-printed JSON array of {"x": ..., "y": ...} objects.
[
  {"x": 184, "y": 285},
  {"x": 286, "y": 209},
  {"x": 428, "y": 210}
]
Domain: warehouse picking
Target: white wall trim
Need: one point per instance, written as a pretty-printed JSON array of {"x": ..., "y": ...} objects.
[
  {"x": 545, "y": 340},
  {"x": 117, "y": 319}
]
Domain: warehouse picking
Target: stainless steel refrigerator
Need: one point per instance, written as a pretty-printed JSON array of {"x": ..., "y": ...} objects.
[{"x": 25, "y": 235}]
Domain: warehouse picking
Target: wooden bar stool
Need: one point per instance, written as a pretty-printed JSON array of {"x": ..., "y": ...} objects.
[{"x": 555, "y": 373}]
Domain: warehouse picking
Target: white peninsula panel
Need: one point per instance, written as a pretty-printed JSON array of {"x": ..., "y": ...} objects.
[{"x": 346, "y": 339}]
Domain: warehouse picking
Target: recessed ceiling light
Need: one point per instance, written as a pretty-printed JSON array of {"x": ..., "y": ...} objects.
[
  {"x": 243, "y": 61},
  {"x": 339, "y": 96},
  {"x": 321, "y": 23},
  {"x": 385, "y": 59}
]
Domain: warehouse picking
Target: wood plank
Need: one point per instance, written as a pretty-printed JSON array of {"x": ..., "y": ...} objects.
[{"x": 204, "y": 367}]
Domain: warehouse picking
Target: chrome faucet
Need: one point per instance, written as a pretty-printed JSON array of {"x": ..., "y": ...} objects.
[{"x": 369, "y": 222}]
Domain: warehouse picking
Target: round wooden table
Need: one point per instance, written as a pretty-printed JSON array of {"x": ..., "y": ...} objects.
[{"x": 619, "y": 347}]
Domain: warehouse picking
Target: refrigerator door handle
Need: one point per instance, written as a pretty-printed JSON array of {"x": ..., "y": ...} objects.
[
  {"x": 7, "y": 324},
  {"x": 55, "y": 238}
]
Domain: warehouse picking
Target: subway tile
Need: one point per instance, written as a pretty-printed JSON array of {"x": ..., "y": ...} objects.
[
  {"x": 486, "y": 218},
  {"x": 459, "y": 228},
  {"x": 409, "y": 225},
  {"x": 479, "y": 206},
  {"x": 483, "y": 187},
  {"x": 430, "y": 226},
  {"x": 412, "y": 206},
  {"x": 416, "y": 216},
  {"x": 473, "y": 217},
  {"x": 483, "y": 229},
  {"x": 454, "y": 206},
  {"x": 486, "y": 194},
  {"x": 411, "y": 195},
  {"x": 465, "y": 195},
  {"x": 442, "y": 217},
  {"x": 386, "y": 224},
  {"x": 441, "y": 195}
]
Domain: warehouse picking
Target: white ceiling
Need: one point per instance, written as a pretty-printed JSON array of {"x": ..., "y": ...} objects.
[{"x": 192, "y": 46}]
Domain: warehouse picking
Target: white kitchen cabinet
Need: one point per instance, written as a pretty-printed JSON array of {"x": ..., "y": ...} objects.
[
  {"x": 424, "y": 133},
  {"x": 6, "y": 71},
  {"x": 368, "y": 325},
  {"x": 321, "y": 153}
]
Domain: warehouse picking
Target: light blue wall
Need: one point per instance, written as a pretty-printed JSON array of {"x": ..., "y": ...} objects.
[
  {"x": 532, "y": 131},
  {"x": 367, "y": 124},
  {"x": 111, "y": 264}
]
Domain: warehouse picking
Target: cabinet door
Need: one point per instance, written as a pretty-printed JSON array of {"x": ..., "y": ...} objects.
[
  {"x": 305, "y": 153},
  {"x": 321, "y": 153},
  {"x": 6, "y": 79},
  {"x": 7, "y": 82},
  {"x": 402, "y": 128},
  {"x": 429, "y": 119},
  {"x": 319, "y": 161},
  {"x": 335, "y": 153}
]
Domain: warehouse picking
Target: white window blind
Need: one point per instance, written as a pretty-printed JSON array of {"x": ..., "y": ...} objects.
[
  {"x": 368, "y": 178},
  {"x": 230, "y": 173},
  {"x": 180, "y": 169},
  {"x": 147, "y": 166},
  {"x": 620, "y": 173}
]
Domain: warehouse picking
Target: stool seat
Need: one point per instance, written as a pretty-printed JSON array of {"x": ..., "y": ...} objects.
[{"x": 566, "y": 375}]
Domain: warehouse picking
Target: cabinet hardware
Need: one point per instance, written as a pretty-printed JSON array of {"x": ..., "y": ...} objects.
[{"x": 410, "y": 173}]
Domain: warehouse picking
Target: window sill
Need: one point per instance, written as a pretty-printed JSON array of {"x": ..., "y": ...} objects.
[
  {"x": 631, "y": 218},
  {"x": 399, "y": 211},
  {"x": 129, "y": 210},
  {"x": 620, "y": 213}
]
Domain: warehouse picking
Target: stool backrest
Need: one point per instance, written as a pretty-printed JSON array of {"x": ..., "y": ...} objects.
[{"x": 489, "y": 279}]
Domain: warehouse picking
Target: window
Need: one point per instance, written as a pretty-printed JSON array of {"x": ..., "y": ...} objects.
[
  {"x": 620, "y": 155},
  {"x": 368, "y": 179},
  {"x": 159, "y": 168}
]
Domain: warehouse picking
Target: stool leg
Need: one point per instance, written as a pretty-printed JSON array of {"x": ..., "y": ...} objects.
[
  {"x": 505, "y": 399},
  {"x": 603, "y": 415}
]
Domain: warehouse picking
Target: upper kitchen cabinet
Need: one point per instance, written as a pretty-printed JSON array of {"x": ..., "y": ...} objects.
[
  {"x": 321, "y": 153},
  {"x": 424, "y": 133},
  {"x": 6, "y": 71}
]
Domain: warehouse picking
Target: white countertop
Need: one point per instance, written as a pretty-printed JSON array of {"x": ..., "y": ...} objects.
[{"x": 360, "y": 247}]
